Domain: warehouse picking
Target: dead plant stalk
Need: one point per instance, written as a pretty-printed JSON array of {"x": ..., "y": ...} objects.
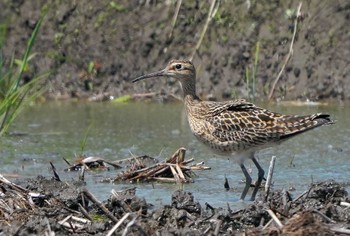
[
  {"x": 211, "y": 14},
  {"x": 290, "y": 53}
]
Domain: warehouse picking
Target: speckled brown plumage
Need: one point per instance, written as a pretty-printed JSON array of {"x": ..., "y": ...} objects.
[{"x": 235, "y": 127}]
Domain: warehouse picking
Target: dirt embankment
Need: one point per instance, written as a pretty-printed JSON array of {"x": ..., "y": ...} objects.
[
  {"x": 97, "y": 47},
  {"x": 50, "y": 207}
]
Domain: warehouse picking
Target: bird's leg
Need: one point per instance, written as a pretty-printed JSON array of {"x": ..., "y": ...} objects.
[
  {"x": 261, "y": 173},
  {"x": 248, "y": 181}
]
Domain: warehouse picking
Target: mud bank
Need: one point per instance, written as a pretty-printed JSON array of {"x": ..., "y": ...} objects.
[
  {"x": 95, "y": 48},
  {"x": 45, "y": 206}
]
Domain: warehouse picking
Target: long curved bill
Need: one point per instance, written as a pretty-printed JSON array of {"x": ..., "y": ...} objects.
[{"x": 151, "y": 75}]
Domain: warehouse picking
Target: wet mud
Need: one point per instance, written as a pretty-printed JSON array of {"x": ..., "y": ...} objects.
[{"x": 44, "y": 206}]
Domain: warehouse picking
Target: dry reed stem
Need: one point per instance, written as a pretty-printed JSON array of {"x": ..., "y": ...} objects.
[
  {"x": 267, "y": 225},
  {"x": 165, "y": 179},
  {"x": 275, "y": 218},
  {"x": 178, "y": 5},
  {"x": 175, "y": 166},
  {"x": 116, "y": 226},
  {"x": 175, "y": 174},
  {"x": 269, "y": 176},
  {"x": 181, "y": 174},
  {"x": 92, "y": 198},
  {"x": 290, "y": 53},
  {"x": 340, "y": 230},
  {"x": 211, "y": 14}
]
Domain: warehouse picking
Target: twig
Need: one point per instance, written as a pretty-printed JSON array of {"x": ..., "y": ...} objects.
[
  {"x": 301, "y": 195},
  {"x": 290, "y": 53},
  {"x": 82, "y": 173},
  {"x": 340, "y": 230},
  {"x": 229, "y": 208},
  {"x": 217, "y": 227},
  {"x": 70, "y": 225},
  {"x": 165, "y": 180},
  {"x": 81, "y": 220},
  {"x": 100, "y": 205},
  {"x": 211, "y": 14},
  {"x": 324, "y": 216},
  {"x": 267, "y": 225},
  {"x": 49, "y": 231},
  {"x": 305, "y": 193},
  {"x": 188, "y": 161},
  {"x": 73, "y": 225},
  {"x": 269, "y": 176},
  {"x": 132, "y": 158},
  {"x": 144, "y": 95},
  {"x": 262, "y": 221},
  {"x": 161, "y": 171},
  {"x": 274, "y": 217},
  {"x": 115, "y": 227},
  {"x": 226, "y": 184},
  {"x": 68, "y": 163},
  {"x": 15, "y": 186},
  {"x": 175, "y": 166},
  {"x": 176, "y": 176},
  {"x": 309, "y": 191},
  {"x": 69, "y": 210},
  {"x": 178, "y": 156},
  {"x": 178, "y": 5},
  {"x": 208, "y": 206},
  {"x": 65, "y": 220},
  {"x": 84, "y": 212},
  {"x": 56, "y": 176},
  {"x": 118, "y": 194},
  {"x": 199, "y": 166},
  {"x": 286, "y": 199},
  {"x": 133, "y": 223},
  {"x": 206, "y": 232},
  {"x": 128, "y": 226},
  {"x": 181, "y": 174},
  {"x": 159, "y": 166}
]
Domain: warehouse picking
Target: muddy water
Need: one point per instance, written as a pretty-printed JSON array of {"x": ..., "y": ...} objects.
[{"x": 48, "y": 132}]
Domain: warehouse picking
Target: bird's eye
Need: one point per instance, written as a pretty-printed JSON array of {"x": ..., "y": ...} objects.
[{"x": 178, "y": 66}]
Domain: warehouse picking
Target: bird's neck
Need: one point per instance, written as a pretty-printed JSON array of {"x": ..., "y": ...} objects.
[
  {"x": 191, "y": 105},
  {"x": 189, "y": 93},
  {"x": 189, "y": 90}
]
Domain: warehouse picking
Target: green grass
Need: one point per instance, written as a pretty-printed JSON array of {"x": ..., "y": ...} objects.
[
  {"x": 3, "y": 32},
  {"x": 122, "y": 99},
  {"x": 84, "y": 140},
  {"x": 14, "y": 96}
]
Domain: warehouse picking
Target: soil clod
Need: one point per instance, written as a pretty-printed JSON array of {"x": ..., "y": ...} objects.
[{"x": 46, "y": 206}]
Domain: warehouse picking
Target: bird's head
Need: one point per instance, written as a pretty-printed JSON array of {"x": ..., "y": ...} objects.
[{"x": 182, "y": 70}]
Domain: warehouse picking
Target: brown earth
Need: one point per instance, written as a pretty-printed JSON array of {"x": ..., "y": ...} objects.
[
  {"x": 50, "y": 207},
  {"x": 94, "y": 48}
]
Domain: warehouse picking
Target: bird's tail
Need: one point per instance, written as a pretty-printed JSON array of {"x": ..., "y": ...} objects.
[{"x": 300, "y": 124}]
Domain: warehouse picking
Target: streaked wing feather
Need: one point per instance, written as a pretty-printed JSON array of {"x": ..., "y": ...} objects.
[
  {"x": 249, "y": 125},
  {"x": 244, "y": 127}
]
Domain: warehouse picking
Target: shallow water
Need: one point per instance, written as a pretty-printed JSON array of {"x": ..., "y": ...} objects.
[{"x": 48, "y": 132}]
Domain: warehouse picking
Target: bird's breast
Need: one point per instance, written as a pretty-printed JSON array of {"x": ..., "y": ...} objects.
[{"x": 203, "y": 131}]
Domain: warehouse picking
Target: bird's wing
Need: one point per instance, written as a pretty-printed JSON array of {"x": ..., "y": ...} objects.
[
  {"x": 244, "y": 123},
  {"x": 215, "y": 108}
]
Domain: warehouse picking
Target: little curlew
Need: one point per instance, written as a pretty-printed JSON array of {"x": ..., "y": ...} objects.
[{"x": 237, "y": 127}]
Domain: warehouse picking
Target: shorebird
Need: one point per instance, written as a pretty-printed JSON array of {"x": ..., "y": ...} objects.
[{"x": 238, "y": 127}]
